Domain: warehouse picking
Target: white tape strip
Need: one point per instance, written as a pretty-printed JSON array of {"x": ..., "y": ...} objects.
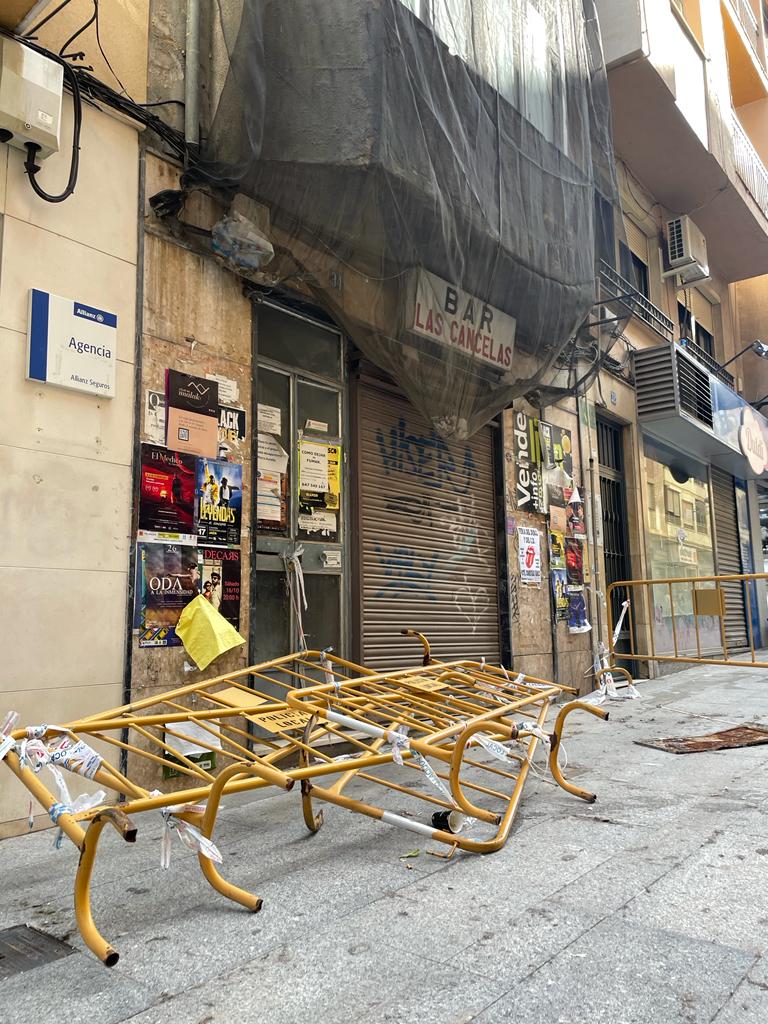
[{"x": 492, "y": 746}]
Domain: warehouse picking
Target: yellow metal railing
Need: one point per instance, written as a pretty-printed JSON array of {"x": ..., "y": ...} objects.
[{"x": 686, "y": 619}]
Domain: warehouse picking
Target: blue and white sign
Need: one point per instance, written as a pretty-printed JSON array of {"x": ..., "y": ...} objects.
[{"x": 71, "y": 344}]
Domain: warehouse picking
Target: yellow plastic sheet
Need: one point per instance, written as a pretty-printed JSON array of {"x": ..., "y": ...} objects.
[{"x": 205, "y": 632}]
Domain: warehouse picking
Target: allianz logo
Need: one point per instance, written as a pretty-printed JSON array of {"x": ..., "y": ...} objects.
[{"x": 89, "y": 314}]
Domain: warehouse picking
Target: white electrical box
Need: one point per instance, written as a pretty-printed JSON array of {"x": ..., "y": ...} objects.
[{"x": 31, "y": 87}]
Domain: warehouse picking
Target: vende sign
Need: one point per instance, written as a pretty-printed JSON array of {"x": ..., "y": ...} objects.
[
  {"x": 71, "y": 344},
  {"x": 445, "y": 313}
]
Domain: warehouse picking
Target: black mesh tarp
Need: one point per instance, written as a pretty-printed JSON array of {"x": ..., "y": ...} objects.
[{"x": 452, "y": 160}]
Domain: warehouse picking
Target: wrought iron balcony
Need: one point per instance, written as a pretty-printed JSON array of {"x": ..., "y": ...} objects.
[
  {"x": 618, "y": 288},
  {"x": 749, "y": 166}
]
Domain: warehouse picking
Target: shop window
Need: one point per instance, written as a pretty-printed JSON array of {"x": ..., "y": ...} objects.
[
  {"x": 679, "y": 545},
  {"x": 672, "y": 504}
]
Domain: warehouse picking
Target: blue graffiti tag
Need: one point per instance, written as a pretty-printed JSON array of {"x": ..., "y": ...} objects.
[
  {"x": 406, "y": 571},
  {"x": 429, "y": 458}
]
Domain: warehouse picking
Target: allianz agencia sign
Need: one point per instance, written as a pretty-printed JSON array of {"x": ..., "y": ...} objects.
[
  {"x": 446, "y": 314},
  {"x": 71, "y": 344}
]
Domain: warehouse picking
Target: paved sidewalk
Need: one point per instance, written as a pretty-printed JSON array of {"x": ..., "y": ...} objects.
[{"x": 646, "y": 908}]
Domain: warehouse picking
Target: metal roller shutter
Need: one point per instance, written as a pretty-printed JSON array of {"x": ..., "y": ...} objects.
[
  {"x": 428, "y": 545},
  {"x": 637, "y": 240},
  {"x": 729, "y": 557},
  {"x": 701, "y": 308}
]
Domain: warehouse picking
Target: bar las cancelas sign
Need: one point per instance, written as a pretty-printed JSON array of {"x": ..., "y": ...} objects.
[{"x": 453, "y": 317}]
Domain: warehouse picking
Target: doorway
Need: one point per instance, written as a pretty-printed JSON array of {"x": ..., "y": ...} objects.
[
  {"x": 613, "y": 496},
  {"x": 299, "y": 511}
]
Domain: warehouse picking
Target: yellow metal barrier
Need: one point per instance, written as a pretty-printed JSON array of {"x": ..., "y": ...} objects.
[
  {"x": 685, "y": 619},
  {"x": 470, "y": 729}
]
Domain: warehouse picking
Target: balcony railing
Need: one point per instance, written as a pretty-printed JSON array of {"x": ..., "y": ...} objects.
[
  {"x": 702, "y": 356},
  {"x": 616, "y": 286},
  {"x": 749, "y": 166},
  {"x": 749, "y": 23}
]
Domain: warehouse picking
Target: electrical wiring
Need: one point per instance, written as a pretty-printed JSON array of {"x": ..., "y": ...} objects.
[
  {"x": 101, "y": 49},
  {"x": 44, "y": 21},
  {"x": 75, "y": 35}
]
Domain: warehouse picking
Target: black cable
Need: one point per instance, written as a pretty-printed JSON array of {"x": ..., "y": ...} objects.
[
  {"x": 33, "y": 148},
  {"x": 163, "y": 103},
  {"x": 46, "y": 19},
  {"x": 101, "y": 48},
  {"x": 79, "y": 32}
]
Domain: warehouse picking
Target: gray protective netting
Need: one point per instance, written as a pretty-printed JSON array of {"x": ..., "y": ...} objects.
[{"x": 422, "y": 146}]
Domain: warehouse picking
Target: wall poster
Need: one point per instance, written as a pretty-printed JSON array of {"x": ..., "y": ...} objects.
[
  {"x": 529, "y": 555},
  {"x": 167, "y": 579},
  {"x": 219, "y": 501},
  {"x": 166, "y": 491},
  {"x": 220, "y": 580}
]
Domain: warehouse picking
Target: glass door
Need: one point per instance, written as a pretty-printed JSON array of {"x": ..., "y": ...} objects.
[{"x": 300, "y": 508}]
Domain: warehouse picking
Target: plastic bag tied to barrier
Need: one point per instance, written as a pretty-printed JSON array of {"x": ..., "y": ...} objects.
[{"x": 438, "y": 175}]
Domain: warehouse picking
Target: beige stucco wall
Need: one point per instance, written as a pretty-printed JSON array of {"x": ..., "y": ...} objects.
[
  {"x": 65, "y": 458},
  {"x": 123, "y": 28}
]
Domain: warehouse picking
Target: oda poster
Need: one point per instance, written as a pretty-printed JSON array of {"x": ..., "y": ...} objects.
[{"x": 167, "y": 578}]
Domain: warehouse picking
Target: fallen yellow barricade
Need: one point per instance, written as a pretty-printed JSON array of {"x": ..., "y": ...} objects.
[{"x": 468, "y": 729}]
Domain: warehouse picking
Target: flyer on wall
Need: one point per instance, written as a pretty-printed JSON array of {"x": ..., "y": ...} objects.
[
  {"x": 219, "y": 501},
  {"x": 192, "y": 414},
  {"x": 560, "y": 594},
  {"x": 220, "y": 580},
  {"x": 574, "y": 563},
  {"x": 167, "y": 579},
  {"x": 529, "y": 555},
  {"x": 166, "y": 492}
]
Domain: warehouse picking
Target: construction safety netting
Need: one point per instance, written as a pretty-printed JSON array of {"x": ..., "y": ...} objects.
[{"x": 437, "y": 174}]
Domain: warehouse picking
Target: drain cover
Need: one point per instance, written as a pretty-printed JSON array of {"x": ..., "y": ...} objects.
[{"x": 22, "y": 948}]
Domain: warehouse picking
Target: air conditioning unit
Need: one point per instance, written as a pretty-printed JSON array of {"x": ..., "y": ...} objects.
[{"x": 686, "y": 251}]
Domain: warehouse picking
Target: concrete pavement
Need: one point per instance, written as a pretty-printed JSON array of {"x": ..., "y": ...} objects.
[{"x": 646, "y": 908}]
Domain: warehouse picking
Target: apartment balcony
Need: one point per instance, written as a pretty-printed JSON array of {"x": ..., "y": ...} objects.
[
  {"x": 617, "y": 292},
  {"x": 746, "y": 52},
  {"x": 676, "y": 140},
  {"x": 749, "y": 166}
]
